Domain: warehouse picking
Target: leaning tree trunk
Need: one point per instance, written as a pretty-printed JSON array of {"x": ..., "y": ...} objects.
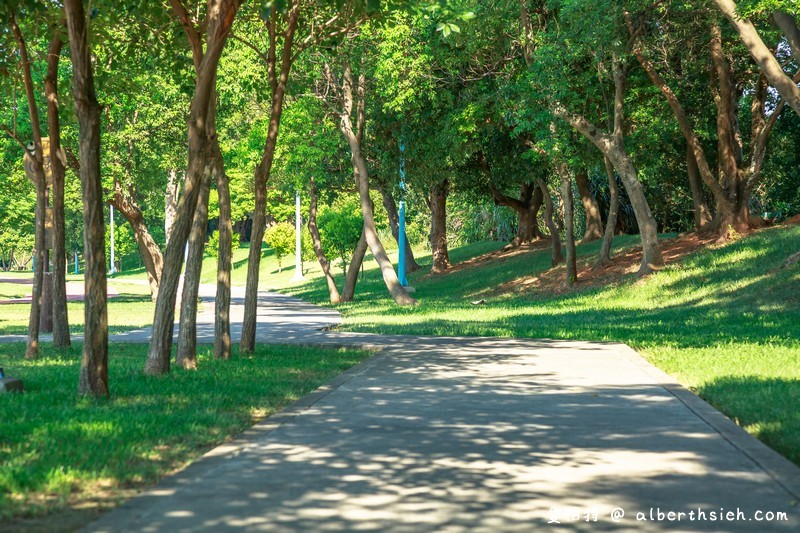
[
  {"x": 611, "y": 220},
  {"x": 186, "y": 356},
  {"x": 763, "y": 56},
  {"x": 361, "y": 175},
  {"x": 394, "y": 223},
  {"x": 438, "y": 237},
  {"x": 333, "y": 291},
  {"x": 556, "y": 256},
  {"x": 222, "y": 302},
  {"x": 148, "y": 248},
  {"x": 569, "y": 227},
  {"x": 594, "y": 223},
  {"x": 218, "y": 23},
  {"x": 94, "y": 365},
  {"x": 351, "y": 278},
  {"x": 59, "y": 290}
]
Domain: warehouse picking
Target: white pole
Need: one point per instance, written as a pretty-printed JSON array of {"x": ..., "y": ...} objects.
[
  {"x": 298, "y": 240},
  {"x": 113, "y": 268}
]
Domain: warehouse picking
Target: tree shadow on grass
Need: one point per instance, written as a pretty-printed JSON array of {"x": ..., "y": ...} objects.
[{"x": 769, "y": 408}]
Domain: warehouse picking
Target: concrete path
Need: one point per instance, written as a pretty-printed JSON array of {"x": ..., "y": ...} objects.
[{"x": 481, "y": 434}]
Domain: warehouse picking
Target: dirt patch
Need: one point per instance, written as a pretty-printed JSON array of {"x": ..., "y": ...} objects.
[
  {"x": 624, "y": 265},
  {"x": 503, "y": 253},
  {"x": 792, "y": 221}
]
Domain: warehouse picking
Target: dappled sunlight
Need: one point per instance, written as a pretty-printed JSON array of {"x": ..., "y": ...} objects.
[{"x": 479, "y": 434}]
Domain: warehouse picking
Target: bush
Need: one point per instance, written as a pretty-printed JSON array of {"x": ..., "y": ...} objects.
[
  {"x": 281, "y": 239},
  {"x": 340, "y": 228}
]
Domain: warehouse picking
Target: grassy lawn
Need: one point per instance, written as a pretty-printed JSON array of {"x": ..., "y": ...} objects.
[
  {"x": 129, "y": 310},
  {"x": 59, "y": 451},
  {"x": 725, "y": 321}
]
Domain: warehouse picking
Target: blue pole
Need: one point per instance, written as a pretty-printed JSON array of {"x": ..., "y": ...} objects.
[
  {"x": 401, "y": 243},
  {"x": 76, "y": 263},
  {"x": 401, "y": 230}
]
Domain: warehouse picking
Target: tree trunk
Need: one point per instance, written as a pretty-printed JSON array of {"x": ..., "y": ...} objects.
[
  {"x": 201, "y": 129},
  {"x": 397, "y": 291},
  {"x": 32, "y": 348},
  {"x": 613, "y": 148},
  {"x": 351, "y": 278},
  {"x": 594, "y": 223},
  {"x": 222, "y": 302},
  {"x": 170, "y": 202},
  {"x": 732, "y": 208},
  {"x": 763, "y": 56},
  {"x": 788, "y": 25},
  {"x": 527, "y": 206},
  {"x": 702, "y": 216},
  {"x": 94, "y": 364},
  {"x": 148, "y": 248},
  {"x": 438, "y": 236},
  {"x": 34, "y": 163},
  {"x": 556, "y": 256},
  {"x": 569, "y": 226},
  {"x": 186, "y": 356},
  {"x": 278, "y": 87},
  {"x": 394, "y": 223},
  {"x": 611, "y": 220},
  {"x": 59, "y": 290},
  {"x": 333, "y": 291}
]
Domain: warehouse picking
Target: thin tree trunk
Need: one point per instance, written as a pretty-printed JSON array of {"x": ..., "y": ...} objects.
[
  {"x": 702, "y": 216},
  {"x": 397, "y": 291},
  {"x": 186, "y": 356},
  {"x": 527, "y": 206},
  {"x": 278, "y": 87},
  {"x": 59, "y": 278},
  {"x": 32, "y": 348},
  {"x": 34, "y": 163},
  {"x": 438, "y": 236},
  {"x": 222, "y": 302},
  {"x": 569, "y": 223},
  {"x": 148, "y": 248},
  {"x": 351, "y": 277},
  {"x": 594, "y": 223},
  {"x": 556, "y": 256},
  {"x": 94, "y": 364},
  {"x": 611, "y": 220},
  {"x": 219, "y": 19},
  {"x": 333, "y": 291},
  {"x": 394, "y": 223}
]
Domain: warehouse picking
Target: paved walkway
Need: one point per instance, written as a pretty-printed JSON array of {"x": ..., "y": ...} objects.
[{"x": 474, "y": 434}]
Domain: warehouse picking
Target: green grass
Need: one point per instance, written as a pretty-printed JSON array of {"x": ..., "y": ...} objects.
[
  {"x": 725, "y": 321},
  {"x": 58, "y": 450},
  {"x": 131, "y": 309}
]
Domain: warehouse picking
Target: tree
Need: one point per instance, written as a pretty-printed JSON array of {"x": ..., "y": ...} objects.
[
  {"x": 202, "y": 138},
  {"x": 281, "y": 239},
  {"x": 94, "y": 365},
  {"x": 352, "y": 100}
]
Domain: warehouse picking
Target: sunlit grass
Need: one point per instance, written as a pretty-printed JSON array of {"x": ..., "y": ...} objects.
[{"x": 58, "y": 450}]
